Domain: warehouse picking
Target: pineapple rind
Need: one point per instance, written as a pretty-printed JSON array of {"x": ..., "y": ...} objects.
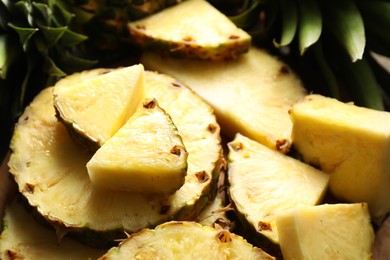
[
  {"x": 250, "y": 95},
  {"x": 62, "y": 191},
  {"x": 264, "y": 182},
  {"x": 185, "y": 240},
  {"x": 327, "y": 231},
  {"x": 350, "y": 143},
  {"x": 19, "y": 240},
  {"x": 180, "y": 32}
]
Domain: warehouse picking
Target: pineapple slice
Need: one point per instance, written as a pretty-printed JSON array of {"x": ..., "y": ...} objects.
[
  {"x": 115, "y": 95},
  {"x": 251, "y": 95},
  {"x": 185, "y": 240},
  {"x": 328, "y": 231},
  {"x": 180, "y": 31},
  {"x": 24, "y": 238},
  {"x": 146, "y": 155},
  {"x": 264, "y": 182},
  {"x": 51, "y": 172},
  {"x": 349, "y": 142}
]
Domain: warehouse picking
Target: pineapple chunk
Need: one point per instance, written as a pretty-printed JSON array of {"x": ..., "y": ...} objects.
[
  {"x": 24, "y": 237},
  {"x": 146, "y": 155},
  {"x": 95, "y": 108},
  {"x": 185, "y": 240},
  {"x": 328, "y": 231},
  {"x": 351, "y": 143},
  {"x": 251, "y": 95},
  {"x": 264, "y": 182},
  {"x": 180, "y": 31}
]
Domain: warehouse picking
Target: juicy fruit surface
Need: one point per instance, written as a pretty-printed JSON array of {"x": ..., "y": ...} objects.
[
  {"x": 24, "y": 238},
  {"x": 264, "y": 182},
  {"x": 146, "y": 155},
  {"x": 251, "y": 95},
  {"x": 204, "y": 34},
  {"x": 50, "y": 169},
  {"x": 328, "y": 231},
  {"x": 97, "y": 107},
  {"x": 350, "y": 143},
  {"x": 176, "y": 240}
]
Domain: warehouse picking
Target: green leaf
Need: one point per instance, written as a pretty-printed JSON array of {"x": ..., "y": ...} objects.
[
  {"x": 9, "y": 53},
  {"x": 362, "y": 83},
  {"x": 71, "y": 38},
  {"x": 44, "y": 10},
  {"x": 51, "y": 68},
  {"x": 343, "y": 19},
  {"x": 25, "y": 34},
  {"x": 378, "y": 12},
  {"x": 61, "y": 16},
  {"x": 52, "y": 34},
  {"x": 72, "y": 63},
  {"x": 248, "y": 17},
  {"x": 289, "y": 12},
  {"x": 4, "y": 16},
  {"x": 310, "y": 24},
  {"x": 326, "y": 70}
]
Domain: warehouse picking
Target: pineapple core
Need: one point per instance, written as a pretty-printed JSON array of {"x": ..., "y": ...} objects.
[
  {"x": 146, "y": 155},
  {"x": 328, "y": 231},
  {"x": 349, "y": 142}
]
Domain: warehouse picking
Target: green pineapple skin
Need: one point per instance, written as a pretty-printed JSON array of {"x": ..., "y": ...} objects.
[{"x": 190, "y": 50}]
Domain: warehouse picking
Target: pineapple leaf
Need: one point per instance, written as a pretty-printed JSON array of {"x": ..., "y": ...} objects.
[
  {"x": 360, "y": 78},
  {"x": 43, "y": 10},
  {"x": 72, "y": 63},
  {"x": 289, "y": 12},
  {"x": 25, "y": 34},
  {"x": 71, "y": 38},
  {"x": 61, "y": 16},
  {"x": 248, "y": 17},
  {"x": 52, "y": 34},
  {"x": 326, "y": 70},
  {"x": 344, "y": 21},
  {"x": 4, "y": 16},
  {"x": 8, "y": 53},
  {"x": 310, "y": 23},
  {"x": 51, "y": 68}
]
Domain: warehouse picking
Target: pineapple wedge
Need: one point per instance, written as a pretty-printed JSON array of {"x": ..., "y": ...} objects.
[
  {"x": 251, "y": 95},
  {"x": 349, "y": 142},
  {"x": 193, "y": 29},
  {"x": 146, "y": 155},
  {"x": 328, "y": 231},
  {"x": 25, "y": 238},
  {"x": 115, "y": 95},
  {"x": 264, "y": 182},
  {"x": 185, "y": 240},
  {"x": 51, "y": 172}
]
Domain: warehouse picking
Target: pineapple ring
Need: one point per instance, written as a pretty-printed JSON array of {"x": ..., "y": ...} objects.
[{"x": 50, "y": 169}]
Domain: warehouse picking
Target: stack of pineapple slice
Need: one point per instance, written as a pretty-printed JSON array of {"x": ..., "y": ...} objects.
[{"x": 154, "y": 172}]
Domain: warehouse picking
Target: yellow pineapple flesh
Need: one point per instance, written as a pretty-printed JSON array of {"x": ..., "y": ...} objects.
[
  {"x": 350, "y": 143},
  {"x": 264, "y": 182},
  {"x": 50, "y": 170},
  {"x": 250, "y": 95},
  {"x": 146, "y": 155},
  {"x": 185, "y": 240},
  {"x": 181, "y": 31},
  {"x": 95, "y": 108},
  {"x": 328, "y": 231},
  {"x": 24, "y": 237}
]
